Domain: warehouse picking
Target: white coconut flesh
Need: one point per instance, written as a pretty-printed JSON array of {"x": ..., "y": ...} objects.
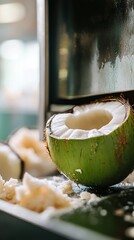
[
  {"x": 10, "y": 163},
  {"x": 91, "y": 120}
]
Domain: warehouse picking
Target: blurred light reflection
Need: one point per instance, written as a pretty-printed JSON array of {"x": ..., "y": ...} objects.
[
  {"x": 11, "y": 49},
  {"x": 12, "y": 12}
]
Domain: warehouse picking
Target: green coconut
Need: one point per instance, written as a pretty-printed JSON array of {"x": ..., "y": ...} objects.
[{"x": 93, "y": 144}]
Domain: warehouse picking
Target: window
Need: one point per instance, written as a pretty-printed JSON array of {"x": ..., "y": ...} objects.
[{"x": 19, "y": 66}]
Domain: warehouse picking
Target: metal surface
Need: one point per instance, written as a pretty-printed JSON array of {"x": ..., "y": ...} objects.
[
  {"x": 42, "y": 32},
  {"x": 90, "y": 47},
  {"x": 16, "y": 219},
  {"x": 112, "y": 216},
  {"x": 21, "y": 229}
]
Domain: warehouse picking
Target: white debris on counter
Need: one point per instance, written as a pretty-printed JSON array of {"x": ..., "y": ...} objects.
[
  {"x": 7, "y": 189},
  {"x": 43, "y": 195},
  {"x": 88, "y": 196},
  {"x": 39, "y": 194}
]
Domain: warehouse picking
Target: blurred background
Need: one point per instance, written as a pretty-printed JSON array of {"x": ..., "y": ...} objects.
[{"x": 19, "y": 66}]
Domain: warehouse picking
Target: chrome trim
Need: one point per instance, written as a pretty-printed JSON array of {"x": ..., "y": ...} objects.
[{"x": 42, "y": 33}]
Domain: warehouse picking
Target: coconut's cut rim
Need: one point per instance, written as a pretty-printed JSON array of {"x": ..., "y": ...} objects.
[{"x": 125, "y": 103}]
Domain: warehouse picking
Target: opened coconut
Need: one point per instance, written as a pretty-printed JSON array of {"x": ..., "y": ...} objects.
[{"x": 93, "y": 144}]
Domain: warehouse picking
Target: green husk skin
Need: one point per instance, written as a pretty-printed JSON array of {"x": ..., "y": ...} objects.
[{"x": 99, "y": 161}]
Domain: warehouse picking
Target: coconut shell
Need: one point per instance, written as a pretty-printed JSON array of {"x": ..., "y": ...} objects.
[{"x": 98, "y": 161}]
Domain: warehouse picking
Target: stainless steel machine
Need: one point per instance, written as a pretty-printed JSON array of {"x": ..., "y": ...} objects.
[{"x": 86, "y": 50}]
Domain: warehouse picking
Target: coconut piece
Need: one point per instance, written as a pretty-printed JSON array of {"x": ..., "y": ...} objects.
[
  {"x": 93, "y": 144},
  {"x": 11, "y": 165},
  {"x": 7, "y": 189},
  {"x": 33, "y": 152},
  {"x": 39, "y": 194}
]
